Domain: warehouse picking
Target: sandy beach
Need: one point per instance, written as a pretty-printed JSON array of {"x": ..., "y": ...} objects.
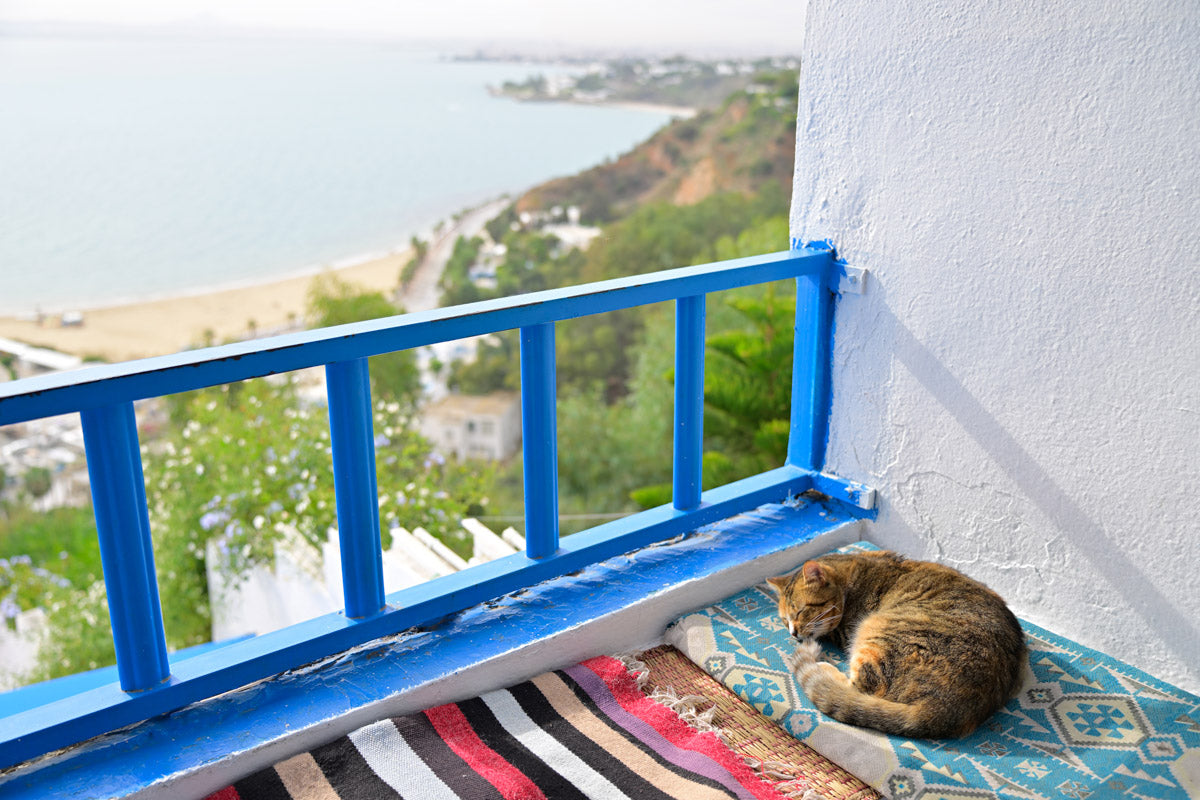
[{"x": 159, "y": 327}]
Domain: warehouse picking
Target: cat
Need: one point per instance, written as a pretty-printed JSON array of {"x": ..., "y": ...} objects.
[{"x": 932, "y": 652}]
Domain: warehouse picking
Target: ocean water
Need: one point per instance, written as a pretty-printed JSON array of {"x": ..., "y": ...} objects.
[{"x": 136, "y": 168}]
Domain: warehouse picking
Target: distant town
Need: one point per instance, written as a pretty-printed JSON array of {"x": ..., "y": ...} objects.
[{"x": 676, "y": 81}]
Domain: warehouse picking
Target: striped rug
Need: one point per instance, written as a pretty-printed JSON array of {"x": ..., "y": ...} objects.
[{"x": 582, "y": 732}]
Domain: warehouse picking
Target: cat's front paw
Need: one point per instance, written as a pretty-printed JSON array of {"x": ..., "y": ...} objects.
[
  {"x": 807, "y": 653},
  {"x": 817, "y": 678}
]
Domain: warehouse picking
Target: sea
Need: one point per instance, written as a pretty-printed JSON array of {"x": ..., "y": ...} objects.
[{"x": 135, "y": 168}]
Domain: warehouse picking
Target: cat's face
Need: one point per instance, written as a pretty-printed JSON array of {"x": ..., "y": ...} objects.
[{"x": 811, "y": 600}]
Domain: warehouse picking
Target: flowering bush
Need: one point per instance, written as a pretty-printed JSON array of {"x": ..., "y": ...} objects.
[
  {"x": 248, "y": 462},
  {"x": 24, "y": 585},
  {"x": 52, "y": 561},
  {"x": 244, "y": 464},
  {"x": 78, "y": 636}
]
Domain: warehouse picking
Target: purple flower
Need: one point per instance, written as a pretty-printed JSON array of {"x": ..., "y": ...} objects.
[
  {"x": 9, "y": 609},
  {"x": 212, "y": 519}
]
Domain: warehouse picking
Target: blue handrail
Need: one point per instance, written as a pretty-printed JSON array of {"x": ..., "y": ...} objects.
[{"x": 104, "y": 397}]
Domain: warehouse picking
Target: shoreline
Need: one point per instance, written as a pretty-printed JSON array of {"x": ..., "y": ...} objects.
[
  {"x": 54, "y": 312},
  {"x": 159, "y": 326},
  {"x": 675, "y": 112}
]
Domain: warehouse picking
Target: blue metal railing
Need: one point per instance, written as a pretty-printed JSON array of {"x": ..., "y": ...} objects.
[{"x": 104, "y": 397}]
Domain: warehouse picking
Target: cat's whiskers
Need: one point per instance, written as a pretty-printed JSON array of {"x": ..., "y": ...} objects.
[{"x": 819, "y": 625}]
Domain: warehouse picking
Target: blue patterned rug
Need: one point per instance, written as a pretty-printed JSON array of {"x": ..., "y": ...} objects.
[{"x": 1083, "y": 725}]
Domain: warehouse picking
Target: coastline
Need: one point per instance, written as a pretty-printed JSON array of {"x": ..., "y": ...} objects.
[
  {"x": 160, "y": 326},
  {"x": 675, "y": 112}
]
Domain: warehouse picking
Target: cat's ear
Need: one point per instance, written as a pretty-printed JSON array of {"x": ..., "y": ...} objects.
[
  {"x": 778, "y": 583},
  {"x": 815, "y": 574}
]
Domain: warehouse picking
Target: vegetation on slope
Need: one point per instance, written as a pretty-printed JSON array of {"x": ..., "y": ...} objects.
[{"x": 744, "y": 145}]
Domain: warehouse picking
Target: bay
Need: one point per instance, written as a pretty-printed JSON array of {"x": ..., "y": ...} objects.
[{"x": 133, "y": 168}]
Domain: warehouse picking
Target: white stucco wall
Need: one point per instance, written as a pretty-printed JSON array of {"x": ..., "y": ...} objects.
[{"x": 1021, "y": 381}]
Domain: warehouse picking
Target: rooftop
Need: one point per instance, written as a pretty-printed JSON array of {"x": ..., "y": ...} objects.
[{"x": 462, "y": 405}]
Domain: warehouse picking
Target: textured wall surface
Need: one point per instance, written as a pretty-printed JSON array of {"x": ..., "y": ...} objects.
[{"x": 1021, "y": 381}]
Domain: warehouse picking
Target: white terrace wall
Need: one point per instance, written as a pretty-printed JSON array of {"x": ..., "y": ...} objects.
[{"x": 1020, "y": 381}]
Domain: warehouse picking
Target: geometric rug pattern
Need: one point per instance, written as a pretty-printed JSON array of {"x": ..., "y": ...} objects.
[{"x": 1083, "y": 725}]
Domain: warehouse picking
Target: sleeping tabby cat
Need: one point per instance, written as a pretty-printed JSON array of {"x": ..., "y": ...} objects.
[{"x": 932, "y": 652}]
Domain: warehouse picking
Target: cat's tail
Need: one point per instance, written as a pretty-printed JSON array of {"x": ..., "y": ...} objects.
[
  {"x": 841, "y": 700},
  {"x": 833, "y": 694}
]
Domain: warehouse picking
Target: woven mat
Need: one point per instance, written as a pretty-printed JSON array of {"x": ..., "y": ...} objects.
[{"x": 749, "y": 734}]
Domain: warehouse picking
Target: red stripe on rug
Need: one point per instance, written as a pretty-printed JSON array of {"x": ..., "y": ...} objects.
[
  {"x": 624, "y": 689},
  {"x": 456, "y": 731},
  {"x": 228, "y": 793}
]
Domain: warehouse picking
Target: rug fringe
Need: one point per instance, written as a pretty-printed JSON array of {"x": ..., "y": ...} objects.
[
  {"x": 637, "y": 668},
  {"x": 689, "y": 709}
]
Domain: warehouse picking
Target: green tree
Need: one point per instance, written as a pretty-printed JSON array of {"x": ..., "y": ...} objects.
[
  {"x": 747, "y": 385},
  {"x": 654, "y": 237},
  {"x": 532, "y": 262},
  {"x": 499, "y": 226},
  {"x": 765, "y": 236},
  {"x": 608, "y": 451},
  {"x": 38, "y": 481},
  {"x": 420, "y": 250},
  {"x": 496, "y": 366},
  {"x": 455, "y": 282},
  {"x": 395, "y": 377}
]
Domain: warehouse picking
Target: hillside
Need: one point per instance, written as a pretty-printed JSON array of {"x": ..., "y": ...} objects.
[{"x": 743, "y": 145}]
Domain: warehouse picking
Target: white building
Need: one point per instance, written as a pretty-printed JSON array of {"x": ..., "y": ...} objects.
[{"x": 474, "y": 426}]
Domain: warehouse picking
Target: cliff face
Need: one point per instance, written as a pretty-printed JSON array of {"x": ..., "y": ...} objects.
[{"x": 742, "y": 146}]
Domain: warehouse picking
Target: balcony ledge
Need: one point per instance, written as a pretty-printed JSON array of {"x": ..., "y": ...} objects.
[{"x": 622, "y": 604}]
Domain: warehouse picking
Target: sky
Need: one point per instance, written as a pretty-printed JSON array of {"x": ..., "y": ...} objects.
[{"x": 752, "y": 26}]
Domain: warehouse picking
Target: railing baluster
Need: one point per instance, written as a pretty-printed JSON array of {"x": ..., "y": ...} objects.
[
  {"x": 539, "y": 439},
  {"x": 689, "y": 401},
  {"x": 810, "y": 370},
  {"x": 352, "y": 436},
  {"x": 114, "y": 462}
]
